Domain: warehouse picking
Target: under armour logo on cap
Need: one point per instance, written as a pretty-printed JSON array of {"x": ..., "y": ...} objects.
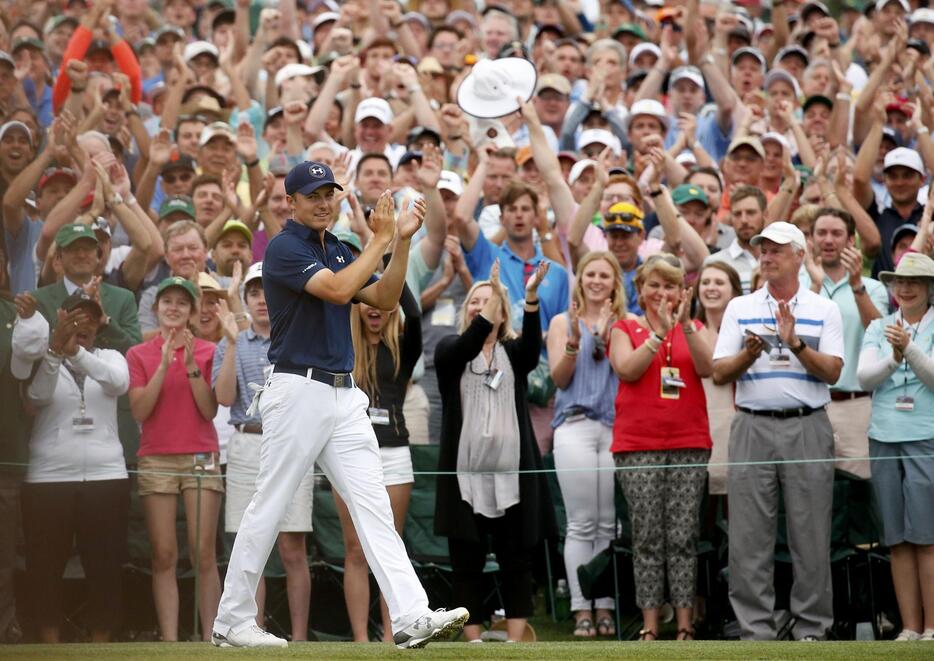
[
  {"x": 309, "y": 176},
  {"x": 316, "y": 171}
]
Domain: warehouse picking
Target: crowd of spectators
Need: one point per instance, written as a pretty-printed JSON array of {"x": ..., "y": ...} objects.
[{"x": 693, "y": 256}]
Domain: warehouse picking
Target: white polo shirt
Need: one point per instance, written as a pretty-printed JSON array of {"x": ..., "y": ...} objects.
[
  {"x": 742, "y": 261},
  {"x": 765, "y": 385}
]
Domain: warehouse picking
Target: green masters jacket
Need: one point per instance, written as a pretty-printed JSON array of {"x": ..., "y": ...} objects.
[
  {"x": 120, "y": 334},
  {"x": 14, "y": 432}
]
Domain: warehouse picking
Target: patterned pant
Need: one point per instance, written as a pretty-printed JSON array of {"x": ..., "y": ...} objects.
[{"x": 664, "y": 506}]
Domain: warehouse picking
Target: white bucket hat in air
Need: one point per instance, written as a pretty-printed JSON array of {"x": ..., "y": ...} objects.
[{"x": 491, "y": 89}]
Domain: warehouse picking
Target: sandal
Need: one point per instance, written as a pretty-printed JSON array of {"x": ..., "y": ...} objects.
[
  {"x": 606, "y": 627},
  {"x": 645, "y": 633},
  {"x": 685, "y": 634},
  {"x": 583, "y": 628}
]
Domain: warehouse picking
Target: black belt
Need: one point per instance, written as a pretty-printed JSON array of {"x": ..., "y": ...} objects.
[
  {"x": 839, "y": 396},
  {"x": 333, "y": 379},
  {"x": 799, "y": 412},
  {"x": 249, "y": 428}
]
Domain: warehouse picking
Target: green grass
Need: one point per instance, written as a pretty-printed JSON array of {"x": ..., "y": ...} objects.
[{"x": 588, "y": 651}]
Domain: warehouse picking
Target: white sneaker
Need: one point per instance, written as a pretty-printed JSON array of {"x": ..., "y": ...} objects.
[
  {"x": 251, "y": 636},
  {"x": 907, "y": 635},
  {"x": 438, "y": 625},
  {"x": 928, "y": 635}
]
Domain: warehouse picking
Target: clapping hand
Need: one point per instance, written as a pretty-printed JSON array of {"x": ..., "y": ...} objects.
[
  {"x": 382, "y": 220},
  {"x": 411, "y": 218},
  {"x": 168, "y": 347},
  {"x": 574, "y": 330},
  {"x": 898, "y": 337},
  {"x": 785, "y": 323},
  {"x": 228, "y": 322},
  {"x": 189, "y": 339},
  {"x": 531, "y": 287},
  {"x": 26, "y": 305}
]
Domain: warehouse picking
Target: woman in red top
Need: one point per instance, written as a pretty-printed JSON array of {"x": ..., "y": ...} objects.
[
  {"x": 661, "y": 422},
  {"x": 171, "y": 395}
]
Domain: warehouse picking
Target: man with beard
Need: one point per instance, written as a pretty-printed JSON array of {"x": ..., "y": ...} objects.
[
  {"x": 747, "y": 209},
  {"x": 837, "y": 274}
]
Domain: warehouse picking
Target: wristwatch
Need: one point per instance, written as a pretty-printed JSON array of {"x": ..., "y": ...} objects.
[
  {"x": 799, "y": 348},
  {"x": 860, "y": 290},
  {"x": 116, "y": 200},
  {"x": 547, "y": 236},
  {"x": 195, "y": 373}
]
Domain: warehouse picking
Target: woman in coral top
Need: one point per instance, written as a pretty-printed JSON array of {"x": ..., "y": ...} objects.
[{"x": 661, "y": 424}]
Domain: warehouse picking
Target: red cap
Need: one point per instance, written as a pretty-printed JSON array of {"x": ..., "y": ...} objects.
[
  {"x": 901, "y": 105},
  {"x": 87, "y": 201},
  {"x": 51, "y": 173}
]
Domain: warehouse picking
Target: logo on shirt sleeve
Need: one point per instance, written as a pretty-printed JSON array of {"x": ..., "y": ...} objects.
[
  {"x": 340, "y": 258},
  {"x": 310, "y": 266}
]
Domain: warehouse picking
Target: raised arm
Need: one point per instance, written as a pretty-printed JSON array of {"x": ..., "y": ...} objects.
[
  {"x": 385, "y": 292},
  {"x": 866, "y": 158},
  {"x": 559, "y": 194}
]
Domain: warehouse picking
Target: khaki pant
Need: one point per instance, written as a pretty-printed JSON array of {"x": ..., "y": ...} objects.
[{"x": 850, "y": 420}]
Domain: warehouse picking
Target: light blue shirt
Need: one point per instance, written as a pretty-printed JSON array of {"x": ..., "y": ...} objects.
[
  {"x": 886, "y": 423},
  {"x": 842, "y": 294}
]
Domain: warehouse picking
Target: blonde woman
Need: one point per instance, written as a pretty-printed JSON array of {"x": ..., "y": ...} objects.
[
  {"x": 662, "y": 438},
  {"x": 583, "y": 425},
  {"x": 386, "y": 350},
  {"x": 499, "y": 489}
]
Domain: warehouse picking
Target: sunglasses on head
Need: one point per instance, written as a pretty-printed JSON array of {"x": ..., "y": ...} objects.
[
  {"x": 183, "y": 177},
  {"x": 621, "y": 218},
  {"x": 671, "y": 260}
]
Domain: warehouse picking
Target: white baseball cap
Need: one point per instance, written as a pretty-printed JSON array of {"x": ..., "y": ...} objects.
[
  {"x": 686, "y": 158},
  {"x": 922, "y": 15},
  {"x": 578, "y": 169},
  {"x": 880, "y": 4},
  {"x": 647, "y": 107},
  {"x": 324, "y": 17},
  {"x": 782, "y": 233},
  {"x": 643, "y": 47},
  {"x": 774, "y": 136},
  {"x": 196, "y": 48},
  {"x": 904, "y": 157},
  {"x": 687, "y": 72},
  {"x": 30, "y": 341},
  {"x": 374, "y": 107},
  {"x": 779, "y": 74},
  {"x": 751, "y": 52},
  {"x": 254, "y": 272},
  {"x": 215, "y": 129},
  {"x": 599, "y": 136},
  {"x": 451, "y": 181},
  {"x": 294, "y": 70}
]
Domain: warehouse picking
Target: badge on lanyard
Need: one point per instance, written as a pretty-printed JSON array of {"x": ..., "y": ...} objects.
[
  {"x": 378, "y": 416},
  {"x": 493, "y": 378},
  {"x": 444, "y": 313},
  {"x": 904, "y": 403},
  {"x": 779, "y": 358},
  {"x": 82, "y": 424},
  {"x": 672, "y": 383},
  {"x": 204, "y": 461}
]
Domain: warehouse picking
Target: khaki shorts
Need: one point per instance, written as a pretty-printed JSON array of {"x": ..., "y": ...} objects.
[{"x": 173, "y": 473}]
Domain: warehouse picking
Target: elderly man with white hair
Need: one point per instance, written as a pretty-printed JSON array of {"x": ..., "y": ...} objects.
[{"x": 782, "y": 345}]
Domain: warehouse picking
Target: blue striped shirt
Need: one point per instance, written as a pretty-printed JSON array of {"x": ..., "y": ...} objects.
[
  {"x": 765, "y": 386},
  {"x": 592, "y": 387},
  {"x": 252, "y": 362}
]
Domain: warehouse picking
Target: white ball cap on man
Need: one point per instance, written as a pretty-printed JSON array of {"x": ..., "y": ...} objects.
[
  {"x": 906, "y": 158},
  {"x": 782, "y": 233},
  {"x": 686, "y": 72},
  {"x": 196, "y": 48},
  {"x": 374, "y": 107},
  {"x": 253, "y": 273},
  {"x": 600, "y": 137},
  {"x": 294, "y": 70},
  {"x": 451, "y": 181},
  {"x": 650, "y": 107}
]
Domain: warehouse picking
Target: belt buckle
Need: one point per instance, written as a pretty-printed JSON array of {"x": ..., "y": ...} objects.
[{"x": 338, "y": 380}]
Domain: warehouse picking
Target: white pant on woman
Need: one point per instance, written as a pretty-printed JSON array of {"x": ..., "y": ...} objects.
[
  {"x": 588, "y": 498},
  {"x": 305, "y": 421}
]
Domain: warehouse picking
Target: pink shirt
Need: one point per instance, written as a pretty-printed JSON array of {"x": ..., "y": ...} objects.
[{"x": 175, "y": 425}]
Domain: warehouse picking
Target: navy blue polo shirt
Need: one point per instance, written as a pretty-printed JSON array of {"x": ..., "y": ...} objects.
[{"x": 306, "y": 331}]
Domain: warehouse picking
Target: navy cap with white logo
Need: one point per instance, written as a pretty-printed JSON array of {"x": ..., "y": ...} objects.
[{"x": 307, "y": 177}]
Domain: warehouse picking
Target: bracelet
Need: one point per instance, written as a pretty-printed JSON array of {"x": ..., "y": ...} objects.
[
  {"x": 655, "y": 193},
  {"x": 843, "y": 96},
  {"x": 130, "y": 199},
  {"x": 923, "y": 129},
  {"x": 78, "y": 90},
  {"x": 653, "y": 343},
  {"x": 688, "y": 329},
  {"x": 455, "y": 136},
  {"x": 718, "y": 51},
  {"x": 834, "y": 46},
  {"x": 356, "y": 86},
  {"x": 240, "y": 316},
  {"x": 52, "y": 352},
  {"x": 571, "y": 350},
  {"x": 252, "y": 164}
]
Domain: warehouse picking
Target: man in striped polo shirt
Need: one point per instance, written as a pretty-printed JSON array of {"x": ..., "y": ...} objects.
[{"x": 782, "y": 345}]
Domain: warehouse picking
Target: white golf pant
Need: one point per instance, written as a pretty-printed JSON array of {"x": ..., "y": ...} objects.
[{"x": 305, "y": 421}]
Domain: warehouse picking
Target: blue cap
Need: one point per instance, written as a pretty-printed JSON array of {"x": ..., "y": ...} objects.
[{"x": 307, "y": 177}]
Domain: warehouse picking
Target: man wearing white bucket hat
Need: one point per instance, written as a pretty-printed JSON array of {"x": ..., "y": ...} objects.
[{"x": 782, "y": 345}]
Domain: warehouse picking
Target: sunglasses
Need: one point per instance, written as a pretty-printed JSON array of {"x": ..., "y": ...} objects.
[
  {"x": 671, "y": 260},
  {"x": 184, "y": 177},
  {"x": 621, "y": 218}
]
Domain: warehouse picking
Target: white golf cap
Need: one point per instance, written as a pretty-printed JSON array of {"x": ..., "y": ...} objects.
[
  {"x": 196, "y": 48},
  {"x": 751, "y": 52},
  {"x": 15, "y": 125},
  {"x": 782, "y": 233},
  {"x": 643, "y": 47},
  {"x": 217, "y": 129},
  {"x": 30, "y": 341},
  {"x": 324, "y": 17},
  {"x": 294, "y": 70},
  {"x": 374, "y": 107},
  {"x": 686, "y": 158},
  {"x": 687, "y": 73},
  {"x": 779, "y": 74},
  {"x": 922, "y": 15},
  {"x": 599, "y": 136},
  {"x": 906, "y": 158},
  {"x": 491, "y": 89},
  {"x": 649, "y": 107},
  {"x": 451, "y": 181},
  {"x": 880, "y": 4},
  {"x": 578, "y": 169},
  {"x": 253, "y": 273},
  {"x": 773, "y": 136}
]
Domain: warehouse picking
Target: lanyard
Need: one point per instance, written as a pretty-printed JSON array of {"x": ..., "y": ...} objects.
[
  {"x": 79, "y": 381},
  {"x": 911, "y": 338},
  {"x": 778, "y": 337},
  {"x": 666, "y": 342}
]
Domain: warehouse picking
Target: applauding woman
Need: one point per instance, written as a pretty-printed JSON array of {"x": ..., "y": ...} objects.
[
  {"x": 661, "y": 437},
  {"x": 896, "y": 363},
  {"x": 170, "y": 394},
  {"x": 583, "y": 425},
  {"x": 486, "y": 436}
]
